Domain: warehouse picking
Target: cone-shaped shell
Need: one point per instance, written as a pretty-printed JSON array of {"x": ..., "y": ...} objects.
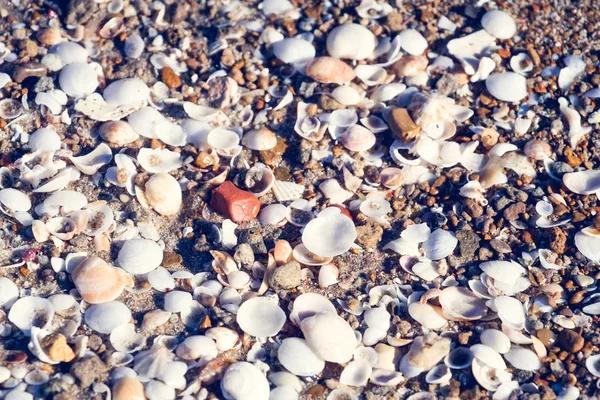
[
  {"x": 164, "y": 194},
  {"x": 330, "y": 70},
  {"x": 98, "y": 282}
]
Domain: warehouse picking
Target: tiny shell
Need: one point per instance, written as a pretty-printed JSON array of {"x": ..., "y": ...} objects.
[
  {"x": 330, "y": 70},
  {"x": 537, "y": 149},
  {"x": 358, "y": 138},
  {"x": 140, "y": 256},
  {"x": 260, "y": 317},
  {"x": 118, "y": 132},
  {"x": 351, "y": 41},
  {"x": 163, "y": 193},
  {"x": 260, "y": 139},
  {"x": 582, "y": 182},
  {"x": 347, "y": 95},
  {"x": 521, "y": 63},
  {"x": 134, "y": 46},
  {"x": 98, "y": 282},
  {"x": 177, "y": 301},
  {"x": 499, "y": 24},
  {"x": 125, "y": 339},
  {"x": 78, "y": 79},
  {"x": 507, "y": 86},
  {"x": 392, "y": 178},
  {"x": 273, "y": 214},
  {"x": 328, "y": 275},
  {"x": 330, "y": 337},
  {"x": 370, "y": 75},
  {"x": 298, "y": 358},
  {"x": 285, "y": 191}
]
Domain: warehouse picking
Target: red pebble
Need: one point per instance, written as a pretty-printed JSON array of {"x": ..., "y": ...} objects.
[{"x": 236, "y": 204}]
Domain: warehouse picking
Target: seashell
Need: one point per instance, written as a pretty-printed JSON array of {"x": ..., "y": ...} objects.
[
  {"x": 145, "y": 120},
  {"x": 487, "y": 376},
  {"x": 195, "y": 347},
  {"x": 243, "y": 380},
  {"x": 14, "y": 200},
  {"x": 460, "y": 304},
  {"x": 163, "y": 193},
  {"x": 78, "y": 79},
  {"x": 70, "y": 52},
  {"x": 329, "y": 236},
  {"x": 413, "y": 42},
  {"x": 358, "y": 138},
  {"x": 505, "y": 390},
  {"x": 356, "y": 373},
  {"x": 488, "y": 356},
  {"x": 159, "y": 160},
  {"x": 10, "y": 109},
  {"x": 342, "y": 394},
  {"x": 537, "y": 149},
  {"x": 351, "y": 41},
  {"x": 574, "y": 67},
  {"x": 298, "y": 358},
  {"x": 225, "y": 338},
  {"x": 592, "y": 364},
  {"x": 440, "y": 244},
  {"x": 260, "y": 139},
  {"x": 161, "y": 280},
  {"x": 31, "y": 311},
  {"x": 286, "y": 191},
  {"x": 64, "y": 305},
  {"x": 259, "y": 179},
  {"x": 429, "y": 316},
  {"x": 44, "y": 139},
  {"x": 287, "y": 379},
  {"x": 334, "y": 192},
  {"x": 260, "y": 317},
  {"x": 329, "y": 336},
  {"x": 328, "y": 275},
  {"x": 499, "y": 24},
  {"x": 273, "y": 214},
  {"x": 95, "y": 220},
  {"x": 347, "y": 95},
  {"x": 308, "y": 304},
  {"x": 62, "y": 228},
  {"x": 134, "y": 46},
  {"x": 153, "y": 362},
  {"x": 582, "y": 182},
  {"x": 576, "y": 131},
  {"x": 295, "y": 51},
  {"x": 410, "y": 66},
  {"x": 370, "y": 75},
  {"x": 507, "y": 86},
  {"x": 496, "y": 340},
  {"x": 177, "y": 301},
  {"x": 375, "y": 207},
  {"x": 510, "y": 311},
  {"x": 157, "y": 390},
  {"x": 90, "y": 163},
  {"x": 128, "y": 91},
  {"x": 459, "y": 358},
  {"x": 521, "y": 63},
  {"x": 504, "y": 271},
  {"x": 97, "y": 282},
  {"x": 9, "y": 293},
  {"x": 220, "y": 138},
  {"x": 124, "y": 339},
  {"x": 128, "y": 388},
  {"x": 440, "y": 374},
  {"x": 140, "y": 256},
  {"x": 112, "y": 28},
  {"x": 105, "y": 317},
  {"x": 330, "y": 70},
  {"x": 523, "y": 358},
  {"x": 118, "y": 132}
]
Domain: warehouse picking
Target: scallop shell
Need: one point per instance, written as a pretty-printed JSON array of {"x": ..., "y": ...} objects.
[
  {"x": 329, "y": 236},
  {"x": 118, "y": 132},
  {"x": 440, "y": 244},
  {"x": 499, "y": 24},
  {"x": 329, "y": 336},
  {"x": 90, "y": 163},
  {"x": 31, "y": 311},
  {"x": 298, "y": 358},
  {"x": 358, "y": 138},
  {"x": 140, "y": 256},
  {"x": 163, "y": 193},
  {"x": 286, "y": 191},
  {"x": 128, "y": 91},
  {"x": 78, "y": 79},
  {"x": 128, "y": 388},
  {"x": 507, "y": 86},
  {"x": 44, "y": 139},
  {"x": 260, "y": 317},
  {"x": 260, "y": 139},
  {"x": 97, "y": 282},
  {"x": 243, "y": 380},
  {"x": 105, "y": 317},
  {"x": 351, "y": 41}
]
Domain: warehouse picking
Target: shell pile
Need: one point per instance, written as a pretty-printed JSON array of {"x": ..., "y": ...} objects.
[{"x": 382, "y": 200}]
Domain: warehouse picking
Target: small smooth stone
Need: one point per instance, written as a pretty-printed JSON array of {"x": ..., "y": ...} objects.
[
  {"x": 29, "y": 69},
  {"x": 570, "y": 341},
  {"x": 402, "y": 125},
  {"x": 236, "y": 204},
  {"x": 507, "y": 86},
  {"x": 287, "y": 276},
  {"x": 330, "y": 70}
]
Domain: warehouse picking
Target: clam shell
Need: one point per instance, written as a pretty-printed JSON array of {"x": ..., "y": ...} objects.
[
  {"x": 159, "y": 160},
  {"x": 163, "y": 193},
  {"x": 140, "y": 256},
  {"x": 44, "y": 139},
  {"x": 440, "y": 244},
  {"x": 440, "y": 374},
  {"x": 283, "y": 393},
  {"x": 328, "y": 275},
  {"x": 329, "y": 236},
  {"x": 385, "y": 377},
  {"x": 259, "y": 179},
  {"x": 522, "y": 358},
  {"x": 78, "y": 79},
  {"x": 118, "y": 132},
  {"x": 105, "y": 317},
  {"x": 460, "y": 304},
  {"x": 195, "y": 347},
  {"x": 260, "y": 317},
  {"x": 375, "y": 207},
  {"x": 260, "y": 139},
  {"x": 128, "y": 91},
  {"x": 487, "y": 376},
  {"x": 588, "y": 245},
  {"x": 145, "y": 120},
  {"x": 358, "y": 138},
  {"x": 392, "y": 178},
  {"x": 14, "y": 200},
  {"x": 347, "y": 95},
  {"x": 329, "y": 336},
  {"x": 90, "y": 163},
  {"x": 370, "y": 75},
  {"x": 308, "y": 304},
  {"x": 9, "y": 293},
  {"x": 128, "y": 388},
  {"x": 429, "y": 316},
  {"x": 97, "y": 282},
  {"x": 510, "y": 311},
  {"x": 351, "y": 41},
  {"x": 504, "y": 271},
  {"x": 499, "y": 24},
  {"x": 330, "y": 70},
  {"x": 124, "y": 339},
  {"x": 62, "y": 228},
  {"x": 298, "y": 358},
  {"x": 294, "y": 51},
  {"x": 593, "y": 365},
  {"x": 459, "y": 358},
  {"x": 134, "y": 46},
  {"x": 507, "y": 86},
  {"x": 31, "y": 311},
  {"x": 582, "y": 182},
  {"x": 273, "y": 214},
  {"x": 225, "y": 338},
  {"x": 356, "y": 373},
  {"x": 70, "y": 52},
  {"x": 413, "y": 42},
  {"x": 496, "y": 340},
  {"x": 488, "y": 356},
  {"x": 243, "y": 380}
]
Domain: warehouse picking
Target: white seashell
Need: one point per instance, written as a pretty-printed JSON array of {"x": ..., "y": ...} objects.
[
  {"x": 504, "y": 271},
  {"x": 260, "y": 139},
  {"x": 128, "y": 91},
  {"x": 523, "y": 358},
  {"x": 487, "y": 376},
  {"x": 97, "y": 109},
  {"x": 429, "y": 316},
  {"x": 140, "y": 256},
  {"x": 574, "y": 67},
  {"x": 468, "y": 49},
  {"x": 308, "y": 304},
  {"x": 161, "y": 280},
  {"x": 294, "y": 51},
  {"x": 329, "y": 236},
  {"x": 440, "y": 244},
  {"x": 356, "y": 373},
  {"x": 387, "y": 92},
  {"x": 505, "y": 390},
  {"x": 413, "y": 42},
  {"x": 334, "y": 192},
  {"x": 499, "y": 24},
  {"x": 385, "y": 377},
  {"x": 259, "y": 179},
  {"x": 159, "y": 160},
  {"x": 90, "y": 163},
  {"x": 157, "y": 390},
  {"x": 488, "y": 356},
  {"x": 286, "y": 191},
  {"x": 31, "y": 311},
  {"x": 351, "y": 41},
  {"x": 243, "y": 380},
  {"x": 134, "y": 46},
  {"x": 177, "y": 301},
  {"x": 127, "y": 388},
  {"x": 124, "y": 339},
  {"x": 170, "y": 133},
  {"x": 10, "y": 109},
  {"x": 328, "y": 275},
  {"x": 330, "y": 337},
  {"x": 593, "y": 365},
  {"x": 70, "y": 52},
  {"x": 105, "y": 317},
  {"x": 284, "y": 378},
  {"x": 460, "y": 304},
  {"x": 298, "y": 358},
  {"x": 582, "y": 182},
  {"x": 117, "y": 132},
  {"x": 521, "y": 63},
  {"x": 507, "y": 86},
  {"x": 225, "y": 338},
  {"x": 9, "y": 293},
  {"x": 260, "y": 317},
  {"x": 14, "y": 200},
  {"x": 459, "y": 358},
  {"x": 163, "y": 193},
  {"x": 145, "y": 120},
  {"x": 496, "y": 340},
  {"x": 44, "y": 139},
  {"x": 358, "y": 138},
  {"x": 195, "y": 347},
  {"x": 375, "y": 207},
  {"x": 510, "y": 311},
  {"x": 370, "y": 75},
  {"x": 78, "y": 79},
  {"x": 36, "y": 377},
  {"x": 273, "y": 214},
  {"x": 347, "y": 95},
  {"x": 98, "y": 219},
  {"x": 576, "y": 131},
  {"x": 440, "y": 374},
  {"x": 64, "y": 305}
]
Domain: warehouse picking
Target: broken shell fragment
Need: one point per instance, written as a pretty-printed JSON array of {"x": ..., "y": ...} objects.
[{"x": 90, "y": 163}]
